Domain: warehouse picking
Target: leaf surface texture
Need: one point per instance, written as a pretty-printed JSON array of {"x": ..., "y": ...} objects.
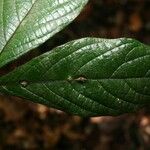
[
  {"x": 25, "y": 24},
  {"x": 86, "y": 77}
]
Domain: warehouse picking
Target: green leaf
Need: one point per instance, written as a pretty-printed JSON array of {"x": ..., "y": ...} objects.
[
  {"x": 25, "y": 24},
  {"x": 87, "y": 77}
]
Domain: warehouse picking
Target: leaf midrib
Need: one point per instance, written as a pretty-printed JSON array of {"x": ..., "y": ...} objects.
[{"x": 73, "y": 80}]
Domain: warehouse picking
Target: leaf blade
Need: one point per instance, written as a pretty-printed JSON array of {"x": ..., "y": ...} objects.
[
  {"x": 87, "y": 77},
  {"x": 26, "y": 24}
]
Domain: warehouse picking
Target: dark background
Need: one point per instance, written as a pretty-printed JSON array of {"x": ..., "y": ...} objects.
[{"x": 24, "y": 125}]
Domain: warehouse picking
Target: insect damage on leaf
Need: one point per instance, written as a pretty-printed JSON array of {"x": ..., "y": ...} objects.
[
  {"x": 81, "y": 79},
  {"x": 24, "y": 83}
]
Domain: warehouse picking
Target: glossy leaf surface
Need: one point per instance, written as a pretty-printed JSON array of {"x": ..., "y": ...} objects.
[
  {"x": 24, "y": 24},
  {"x": 87, "y": 77}
]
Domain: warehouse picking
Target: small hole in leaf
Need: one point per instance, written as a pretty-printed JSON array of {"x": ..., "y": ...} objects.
[
  {"x": 81, "y": 79},
  {"x": 24, "y": 83}
]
